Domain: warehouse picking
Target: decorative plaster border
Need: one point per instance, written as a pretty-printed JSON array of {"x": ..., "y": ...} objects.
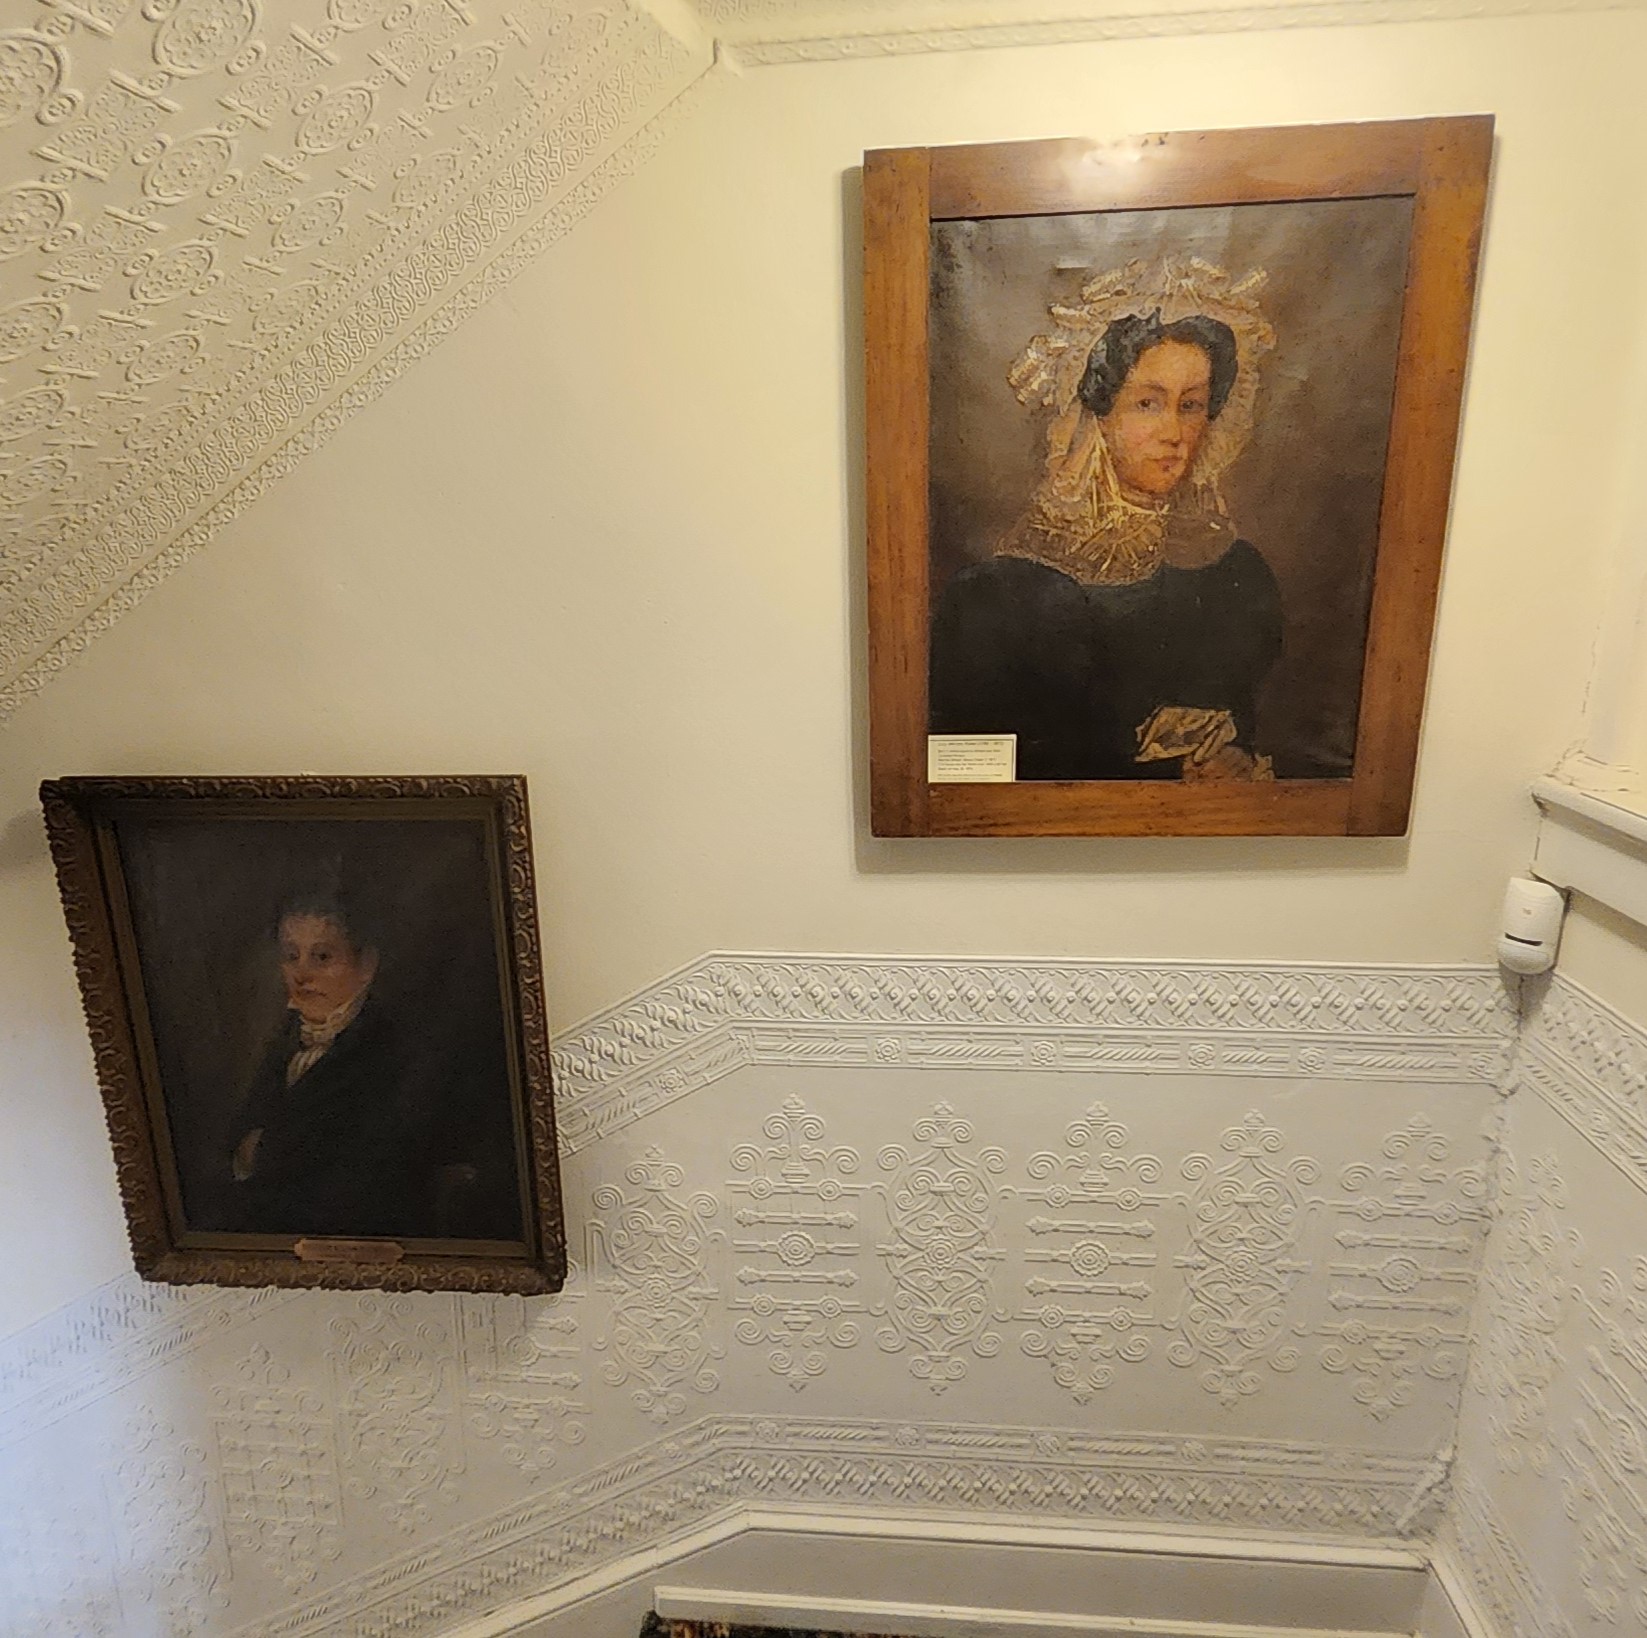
[
  {"x": 1480, "y": 1546},
  {"x": 1589, "y": 1063},
  {"x": 723, "y": 1012},
  {"x": 679, "y": 1483},
  {"x": 757, "y": 48},
  {"x": 109, "y": 1338}
]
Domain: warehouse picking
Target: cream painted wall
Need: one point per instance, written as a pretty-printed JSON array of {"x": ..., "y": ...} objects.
[
  {"x": 608, "y": 535},
  {"x": 1607, "y": 954}
]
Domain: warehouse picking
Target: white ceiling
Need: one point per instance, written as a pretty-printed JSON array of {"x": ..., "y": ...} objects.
[{"x": 225, "y": 224}]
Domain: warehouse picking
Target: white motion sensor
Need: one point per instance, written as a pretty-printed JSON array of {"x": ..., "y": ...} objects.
[{"x": 1530, "y": 932}]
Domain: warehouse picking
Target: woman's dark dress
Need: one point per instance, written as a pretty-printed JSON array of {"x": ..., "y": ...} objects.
[{"x": 1074, "y": 670}]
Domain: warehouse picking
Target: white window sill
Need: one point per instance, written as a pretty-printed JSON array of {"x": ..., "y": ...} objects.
[{"x": 1594, "y": 843}]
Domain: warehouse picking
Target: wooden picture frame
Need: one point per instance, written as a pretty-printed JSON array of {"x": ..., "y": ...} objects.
[
  {"x": 933, "y": 218},
  {"x": 316, "y": 1013}
]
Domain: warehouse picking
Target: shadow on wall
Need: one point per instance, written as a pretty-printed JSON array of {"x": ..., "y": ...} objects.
[{"x": 23, "y": 841}]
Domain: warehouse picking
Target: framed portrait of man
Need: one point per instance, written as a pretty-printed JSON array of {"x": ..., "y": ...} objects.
[
  {"x": 316, "y": 1011},
  {"x": 1160, "y": 443}
]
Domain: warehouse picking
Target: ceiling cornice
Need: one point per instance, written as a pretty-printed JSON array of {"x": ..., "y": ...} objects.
[
  {"x": 769, "y": 33},
  {"x": 227, "y": 225}
]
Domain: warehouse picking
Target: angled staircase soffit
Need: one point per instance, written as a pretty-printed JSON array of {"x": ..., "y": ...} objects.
[{"x": 226, "y": 223}]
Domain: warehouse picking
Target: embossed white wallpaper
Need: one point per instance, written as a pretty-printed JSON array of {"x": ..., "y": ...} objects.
[
  {"x": 1182, "y": 1244},
  {"x": 1550, "y": 1496},
  {"x": 226, "y": 223},
  {"x": 1166, "y": 1244}
]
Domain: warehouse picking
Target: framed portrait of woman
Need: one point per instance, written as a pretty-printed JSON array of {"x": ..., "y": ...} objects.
[
  {"x": 1160, "y": 449},
  {"x": 317, "y": 1018}
]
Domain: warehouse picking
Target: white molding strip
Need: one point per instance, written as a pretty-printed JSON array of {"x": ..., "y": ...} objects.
[
  {"x": 1589, "y": 1063},
  {"x": 918, "y": 1537},
  {"x": 1462, "y": 1615},
  {"x": 1165, "y": 1540},
  {"x": 678, "y": 1487},
  {"x": 726, "y": 1011},
  {"x": 765, "y": 37},
  {"x": 1592, "y": 845},
  {"x": 848, "y": 1615}
]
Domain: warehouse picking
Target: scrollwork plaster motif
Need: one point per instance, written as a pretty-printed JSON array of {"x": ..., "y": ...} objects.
[
  {"x": 941, "y": 1249},
  {"x": 56, "y": 1548},
  {"x": 649, "y": 1250},
  {"x": 398, "y": 1428},
  {"x": 1407, "y": 1254},
  {"x": 1604, "y": 1482},
  {"x": 1528, "y": 1281},
  {"x": 796, "y": 1217},
  {"x": 171, "y": 1539},
  {"x": 1247, "y": 1218},
  {"x": 523, "y": 1375},
  {"x": 1093, "y": 1255}
]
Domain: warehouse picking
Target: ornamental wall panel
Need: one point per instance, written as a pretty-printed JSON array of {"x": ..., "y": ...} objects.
[{"x": 1193, "y": 1247}]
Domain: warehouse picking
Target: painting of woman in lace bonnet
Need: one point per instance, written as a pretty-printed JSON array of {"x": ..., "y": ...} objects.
[{"x": 1123, "y": 627}]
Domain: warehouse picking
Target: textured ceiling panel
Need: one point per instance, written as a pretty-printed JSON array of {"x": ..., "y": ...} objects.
[{"x": 219, "y": 217}]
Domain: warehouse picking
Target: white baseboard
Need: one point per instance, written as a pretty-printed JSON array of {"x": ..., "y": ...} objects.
[
  {"x": 930, "y": 1577},
  {"x": 860, "y": 1615}
]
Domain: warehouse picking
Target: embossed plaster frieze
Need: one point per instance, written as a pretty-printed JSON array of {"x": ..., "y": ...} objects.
[
  {"x": 1589, "y": 1063},
  {"x": 1496, "y": 1568},
  {"x": 689, "y": 1030},
  {"x": 219, "y": 221},
  {"x": 110, "y": 1337}
]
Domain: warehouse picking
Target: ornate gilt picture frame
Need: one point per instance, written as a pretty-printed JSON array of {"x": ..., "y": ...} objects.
[
  {"x": 1160, "y": 451},
  {"x": 316, "y": 1013}
]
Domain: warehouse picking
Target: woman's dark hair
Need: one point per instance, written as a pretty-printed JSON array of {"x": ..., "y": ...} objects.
[{"x": 1127, "y": 339}]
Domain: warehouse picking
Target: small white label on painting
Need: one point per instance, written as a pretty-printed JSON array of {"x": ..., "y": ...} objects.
[{"x": 971, "y": 759}]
